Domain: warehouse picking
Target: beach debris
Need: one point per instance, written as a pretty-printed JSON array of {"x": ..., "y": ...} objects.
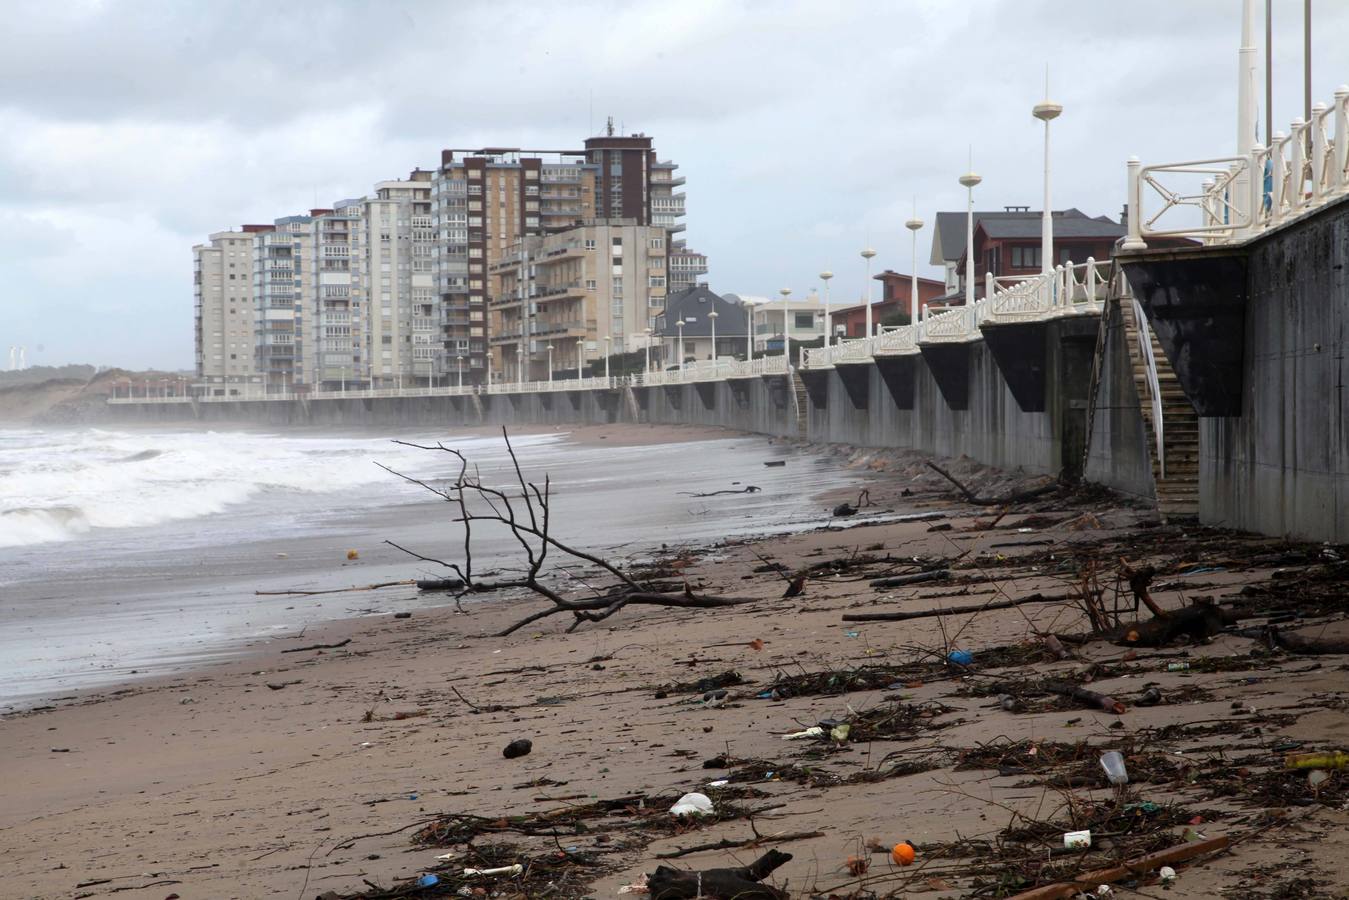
[
  {"x": 1166, "y": 874},
  {"x": 1084, "y": 696},
  {"x": 914, "y": 578},
  {"x": 440, "y": 584},
  {"x": 347, "y": 590},
  {"x": 857, "y": 865},
  {"x": 1134, "y": 867},
  {"x": 509, "y": 871},
  {"x": 961, "y": 657},
  {"x": 402, "y": 615},
  {"x": 1077, "y": 840},
  {"x": 903, "y": 853},
  {"x": 334, "y": 646},
  {"x": 282, "y": 685},
  {"x": 814, "y": 731},
  {"x": 715, "y": 699},
  {"x": 748, "y": 489},
  {"x": 694, "y": 804},
  {"x": 742, "y": 883},
  {"x": 775, "y": 463},
  {"x": 795, "y": 588},
  {"x": 1331, "y": 760},
  {"x": 186, "y": 701},
  {"x": 428, "y": 880},
  {"x": 518, "y": 748},
  {"x": 970, "y": 496},
  {"x": 636, "y": 887},
  {"x": 1113, "y": 763},
  {"x": 353, "y": 554},
  {"x": 956, "y": 610}
]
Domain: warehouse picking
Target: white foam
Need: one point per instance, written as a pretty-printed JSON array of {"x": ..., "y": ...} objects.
[{"x": 61, "y": 485}]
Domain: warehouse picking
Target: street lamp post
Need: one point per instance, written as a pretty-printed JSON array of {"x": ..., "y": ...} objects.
[
  {"x": 713, "y": 316},
  {"x": 868, "y": 254},
  {"x": 550, "y": 362},
  {"x": 680, "y": 325},
  {"x": 647, "y": 370},
  {"x": 580, "y": 358},
  {"x": 749, "y": 331},
  {"x": 459, "y": 360},
  {"x": 914, "y": 224},
  {"x": 1047, "y": 112},
  {"x": 828, "y": 319},
  {"x": 607, "y": 339},
  {"x": 968, "y": 181},
  {"x": 786, "y": 326}
]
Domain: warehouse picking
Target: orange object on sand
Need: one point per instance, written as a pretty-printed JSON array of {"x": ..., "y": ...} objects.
[
  {"x": 903, "y": 853},
  {"x": 353, "y": 554}
]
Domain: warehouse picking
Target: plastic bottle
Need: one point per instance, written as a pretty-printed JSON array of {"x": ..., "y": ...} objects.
[
  {"x": 1113, "y": 763},
  {"x": 1334, "y": 759}
]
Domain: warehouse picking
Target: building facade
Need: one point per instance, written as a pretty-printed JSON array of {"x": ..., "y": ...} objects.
[
  {"x": 590, "y": 291},
  {"x": 224, "y": 312}
]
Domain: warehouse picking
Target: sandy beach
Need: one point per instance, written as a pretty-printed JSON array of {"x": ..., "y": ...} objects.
[{"x": 322, "y": 772}]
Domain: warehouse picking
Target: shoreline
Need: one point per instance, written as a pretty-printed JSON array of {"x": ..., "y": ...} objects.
[{"x": 250, "y": 791}]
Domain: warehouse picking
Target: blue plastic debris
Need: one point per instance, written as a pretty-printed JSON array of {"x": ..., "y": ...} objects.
[
  {"x": 961, "y": 657},
  {"x": 428, "y": 881}
]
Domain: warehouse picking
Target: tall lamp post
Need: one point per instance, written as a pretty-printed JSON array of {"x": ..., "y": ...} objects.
[
  {"x": 647, "y": 332},
  {"x": 680, "y": 325},
  {"x": 968, "y": 181},
  {"x": 914, "y": 224},
  {"x": 749, "y": 331},
  {"x": 713, "y": 316},
  {"x": 580, "y": 358},
  {"x": 459, "y": 360},
  {"x": 550, "y": 362},
  {"x": 828, "y": 320},
  {"x": 868, "y": 254},
  {"x": 786, "y": 333},
  {"x": 1047, "y": 112},
  {"x": 607, "y": 339}
]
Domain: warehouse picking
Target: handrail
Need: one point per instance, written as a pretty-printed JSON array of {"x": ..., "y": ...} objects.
[
  {"x": 1297, "y": 173},
  {"x": 1154, "y": 386}
]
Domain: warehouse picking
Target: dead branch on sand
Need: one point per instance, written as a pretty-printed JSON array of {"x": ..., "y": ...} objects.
[{"x": 525, "y": 511}]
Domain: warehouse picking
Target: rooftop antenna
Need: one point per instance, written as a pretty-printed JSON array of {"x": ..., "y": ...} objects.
[{"x": 609, "y": 127}]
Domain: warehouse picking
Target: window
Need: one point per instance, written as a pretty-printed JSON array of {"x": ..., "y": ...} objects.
[
  {"x": 1025, "y": 257},
  {"x": 656, "y": 243},
  {"x": 656, "y": 281},
  {"x": 590, "y": 284},
  {"x": 803, "y": 320},
  {"x": 590, "y": 244}
]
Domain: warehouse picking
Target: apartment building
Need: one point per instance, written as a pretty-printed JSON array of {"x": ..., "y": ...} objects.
[
  {"x": 587, "y": 292},
  {"x": 280, "y": 284},
  {"x": 486, "y": 201},
  {"x": 224, "y": 312}
]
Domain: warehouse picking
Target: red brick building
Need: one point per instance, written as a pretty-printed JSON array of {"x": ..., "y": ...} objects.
[{"x": 851, "y": 321}]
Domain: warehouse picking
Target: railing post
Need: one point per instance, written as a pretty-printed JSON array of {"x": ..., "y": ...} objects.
[
  {"x": 1257, "y": 186},
  {"x": 1340, "y": 159},
  {"x": 1278, "y": 178},
  {"x": 1297, "y": 166},
  {"x": 1091, "y": 279},
  {"x": 1318, "y": 151},
  {"x": 1134, "y": 240}
]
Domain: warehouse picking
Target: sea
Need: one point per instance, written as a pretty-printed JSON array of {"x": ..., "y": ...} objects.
[{"x": 131, "y": 553}]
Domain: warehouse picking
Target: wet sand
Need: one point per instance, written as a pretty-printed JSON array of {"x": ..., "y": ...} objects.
[{"x": 212, "y": 784}]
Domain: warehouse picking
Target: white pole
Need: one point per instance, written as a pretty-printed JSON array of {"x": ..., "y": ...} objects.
[
  {"x": 828, "y": 320},
  {"x": 580, "y": 358},
  {"x": 460, "y": 365},
  {"x": 786, "y": 328},
  {"x": 867, "y": 254},
  {"x": 607, "y": 339},
  {"x": 1047, "y": 112},
  {"x": 680, "y": 323},
  {"x": 713, "y": 316},
  {"x": 913, "y": 225},
  {"x": 647, "y": 370},
  {"x": 1247, "y": 108},
  {"x": 749, "y": 330},
  {"x": 968, "y": 181}
]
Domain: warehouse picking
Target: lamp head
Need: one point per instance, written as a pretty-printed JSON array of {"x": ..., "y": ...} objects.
[
  {"x": 713, "y": 314},
  {"x": 868, "y": 253},
  {"x": 785, "y": 292},
  {"x": 970, "y": 179},
  {"x": 826, "y": 275},
  {"x": 1047, "y": 110},
  {"x": 914, "y": 224}
]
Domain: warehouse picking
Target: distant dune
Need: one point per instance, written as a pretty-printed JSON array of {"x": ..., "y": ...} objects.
[{"x": 61, "y": 400}]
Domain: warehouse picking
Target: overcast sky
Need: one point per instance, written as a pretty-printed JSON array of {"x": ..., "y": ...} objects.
[{"x": 131, "y": 129}]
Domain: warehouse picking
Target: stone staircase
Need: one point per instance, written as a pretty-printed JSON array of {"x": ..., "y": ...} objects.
[
  {"x": 802, "y": 401},
  {"x": 1176, "y": 473}
]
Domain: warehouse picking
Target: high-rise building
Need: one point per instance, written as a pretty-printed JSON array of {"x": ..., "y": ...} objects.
[
  {"x": 280, "y": 278},
  {"x": 589, "y": 291},
  {"x": 224, "y": 312},
  {"x": 485, "y": 201}
]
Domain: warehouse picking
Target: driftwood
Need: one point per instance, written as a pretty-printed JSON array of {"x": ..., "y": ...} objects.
[
  {"x": 1198, "y": 622},
  {"x": 440, "y": 584},
  {"x": 751, "y": 489},
  {"x": 1084, "y": 696},
  {"x": 1138, "y": 866},
  {"x": 1298, "y": 643},
  {"x": 953, "y": 610},
  {"x": 524, "y": 510},
  {"x": 741, "y": 883},
  {"x": 367, "y": 587},
  {"x": 970, "y": 496},
  {"x": 915, "y": 578},
  {"x": 341, "y": 643}
]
